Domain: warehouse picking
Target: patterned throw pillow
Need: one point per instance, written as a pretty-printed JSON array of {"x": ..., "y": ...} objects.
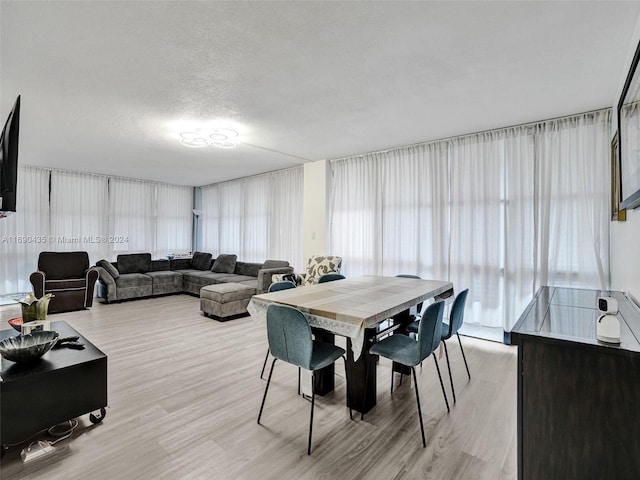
[{"x": 319, "y": 265}]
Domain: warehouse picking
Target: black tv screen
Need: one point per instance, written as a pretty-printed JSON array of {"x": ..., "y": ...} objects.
[{"x": 9, "y": 161}]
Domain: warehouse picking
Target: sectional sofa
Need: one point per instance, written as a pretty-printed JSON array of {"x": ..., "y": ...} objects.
[{"x": 137, "y": 275}]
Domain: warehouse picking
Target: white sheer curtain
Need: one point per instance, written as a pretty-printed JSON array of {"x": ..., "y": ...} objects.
[
  {"x": 500, "y": 213},
  {"x": 210, "y": 219},
  {"x": 256, "y": 218},
  {"x": 24, "y": 234},
  {"x": 132, "y": 216},
  {"x": 285, "y": 216},
  {"x": 79, "y": 206},
  {"x": 174, "y": 220}
]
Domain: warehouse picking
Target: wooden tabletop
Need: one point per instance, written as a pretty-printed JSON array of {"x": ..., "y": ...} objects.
[{"x": 364, "y": 301}]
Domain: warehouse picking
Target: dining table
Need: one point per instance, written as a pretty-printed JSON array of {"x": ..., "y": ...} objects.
[{"x": 355, "y": 308}]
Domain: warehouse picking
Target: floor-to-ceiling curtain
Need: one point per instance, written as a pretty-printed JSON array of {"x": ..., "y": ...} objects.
[
  {"x": 285, "y": 216},
  {"x": 132, "y": 216},
  {"x": 210, "y": 219},
  {"x": 256, "y": 217},
  {"x": 174, "y": 219},
  {"x": 500, "y": 212},
  {"x": 79, "y": 206},
  {"x": 25, "y": 233}
]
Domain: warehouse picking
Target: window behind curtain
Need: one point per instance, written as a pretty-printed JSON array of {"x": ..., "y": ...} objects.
[
  {"x": 500, "y": 213},
  {"x": 174, "y": 219},
  {"x": 79, "y": 206}
]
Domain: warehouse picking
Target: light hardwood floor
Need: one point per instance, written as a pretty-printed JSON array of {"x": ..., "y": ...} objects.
[{"x": 184, "y": 394}]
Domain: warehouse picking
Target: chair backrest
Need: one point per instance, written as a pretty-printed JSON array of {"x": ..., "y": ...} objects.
[
  {"x": 283, "y": 285},
  {"x": 456, "y": 317},
  {"x": 289, "y": 335},
  {"x": 429, "y": 329},
  {"x": 330, "y": 277},
  {"x": 63, "y": 265},
  {"x": 403, "y": 275}
]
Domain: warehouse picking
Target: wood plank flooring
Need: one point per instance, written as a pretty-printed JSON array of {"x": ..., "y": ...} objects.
[{"x": 184, "y": 394}]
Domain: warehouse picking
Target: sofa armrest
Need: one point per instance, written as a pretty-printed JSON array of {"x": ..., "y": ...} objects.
[
  {"x": 264, "y": 277},
  {"x": 108, "y": 281},
  {"x": 91, "y": 277},
  {"x": 37, "y": 281}
]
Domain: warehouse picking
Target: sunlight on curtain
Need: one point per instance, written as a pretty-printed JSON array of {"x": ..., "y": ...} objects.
[
  {"x": 500, "y": 213},
  {"x": 132, "y": 216},
  {"x": 174, "y": 220},
  {"x": 79, "y": 208},
  {"x": 24, "y": 234},
  {"x": 256, "y": 218}
]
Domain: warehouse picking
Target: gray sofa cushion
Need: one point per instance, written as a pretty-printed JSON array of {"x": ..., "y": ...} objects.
[
  {"x": 134, "y": 263},
  {"x": 250, "y": 269},
  {"x": 224, "y": 264},
  {"x": 275, "y": 264},
  {"x": 133, "y": 280},
  {"x": 113, "y": 271},
  {"x": 201, "y": 261}
]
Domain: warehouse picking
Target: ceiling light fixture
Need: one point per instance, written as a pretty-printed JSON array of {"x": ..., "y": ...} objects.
[{"x": 201, "y": 137}]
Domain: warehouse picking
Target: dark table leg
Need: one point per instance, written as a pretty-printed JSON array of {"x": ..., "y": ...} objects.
[
  {"x": 324, "y": 379},
  {"x": 362, "y": 375}
]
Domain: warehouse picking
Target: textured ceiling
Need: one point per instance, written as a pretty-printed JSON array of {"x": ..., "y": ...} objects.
[{"x": 107, "y": 86}]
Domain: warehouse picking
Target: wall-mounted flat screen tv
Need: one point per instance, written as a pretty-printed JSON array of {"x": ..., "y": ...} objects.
[{"x": 9, "y": 161}]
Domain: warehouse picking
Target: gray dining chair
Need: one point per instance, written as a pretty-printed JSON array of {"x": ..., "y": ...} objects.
[
  {"x": 276, "y": 287},
  {"x": 330, "y": 277},
  {"x": 291, "y": 341},
  {"x": 455, "y": 321},
  {"x": 406, "y": 351}
]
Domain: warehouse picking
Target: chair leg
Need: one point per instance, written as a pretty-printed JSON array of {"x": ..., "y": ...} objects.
[
  {"x": 442, "y": 384},
  {"x": 313, "y": 400},
  {"x": 266, "y": 389},
  {"x": 415, "y": 385},
  {"x": 392, "y": 379},
  {"x": 346, "y": 380},
  {"x": 463, "y": 357},
  {"x": 446, "y": 352},
  {"x": 299, "y": 381},
  {"x": 266, "y": 357}
]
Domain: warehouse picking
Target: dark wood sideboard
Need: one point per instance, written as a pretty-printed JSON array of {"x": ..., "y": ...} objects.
[{"x": 578, "y": 398}]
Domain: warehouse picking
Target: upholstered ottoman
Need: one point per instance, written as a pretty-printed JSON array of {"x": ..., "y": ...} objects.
[{"x": 225, "y": 301}]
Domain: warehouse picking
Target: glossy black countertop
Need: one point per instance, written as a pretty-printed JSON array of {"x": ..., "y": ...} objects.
[{"x": 569, "y": 315}]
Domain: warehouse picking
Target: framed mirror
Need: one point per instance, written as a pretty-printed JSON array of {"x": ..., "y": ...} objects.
[{"x": 629, "y": 137}]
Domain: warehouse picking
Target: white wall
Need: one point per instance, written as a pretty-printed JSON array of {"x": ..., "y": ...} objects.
[
  {"x": 625, "y": 236},
  {"x": 315, "y": 209}
]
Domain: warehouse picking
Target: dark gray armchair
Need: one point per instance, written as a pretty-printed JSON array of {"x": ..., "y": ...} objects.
[{"x": 68, "y": 277}]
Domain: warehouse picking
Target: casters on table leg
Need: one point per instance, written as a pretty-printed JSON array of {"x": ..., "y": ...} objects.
[{"x": 94, "y": 419}]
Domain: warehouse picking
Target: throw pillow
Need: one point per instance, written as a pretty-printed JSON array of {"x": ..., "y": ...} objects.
[
  {"x": 134, "y": 263},
  {"x": 319, "y": 265},
  {"x": 275, "y": 264},
  {"x": 108, "y": 266},
  {"x": 200, "y": 261},
  {"x": 224, "y": 264}
]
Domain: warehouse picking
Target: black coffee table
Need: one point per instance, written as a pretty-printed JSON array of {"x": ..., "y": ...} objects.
[{"x": 62, "y": 385}]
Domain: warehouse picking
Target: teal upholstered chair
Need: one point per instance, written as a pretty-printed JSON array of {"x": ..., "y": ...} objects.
[
  {"x": 456, "y": 319},
  {"x": 276, "y": 287},
  {"x": 406, "y": 351},
  {"x": 290, "y": 340},
  {"x": 330, "y": 277}
]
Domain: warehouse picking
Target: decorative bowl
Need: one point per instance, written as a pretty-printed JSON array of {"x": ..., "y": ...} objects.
[
  {"x": 26, "y": 348},
  {"x": 16, "y": 323}
]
